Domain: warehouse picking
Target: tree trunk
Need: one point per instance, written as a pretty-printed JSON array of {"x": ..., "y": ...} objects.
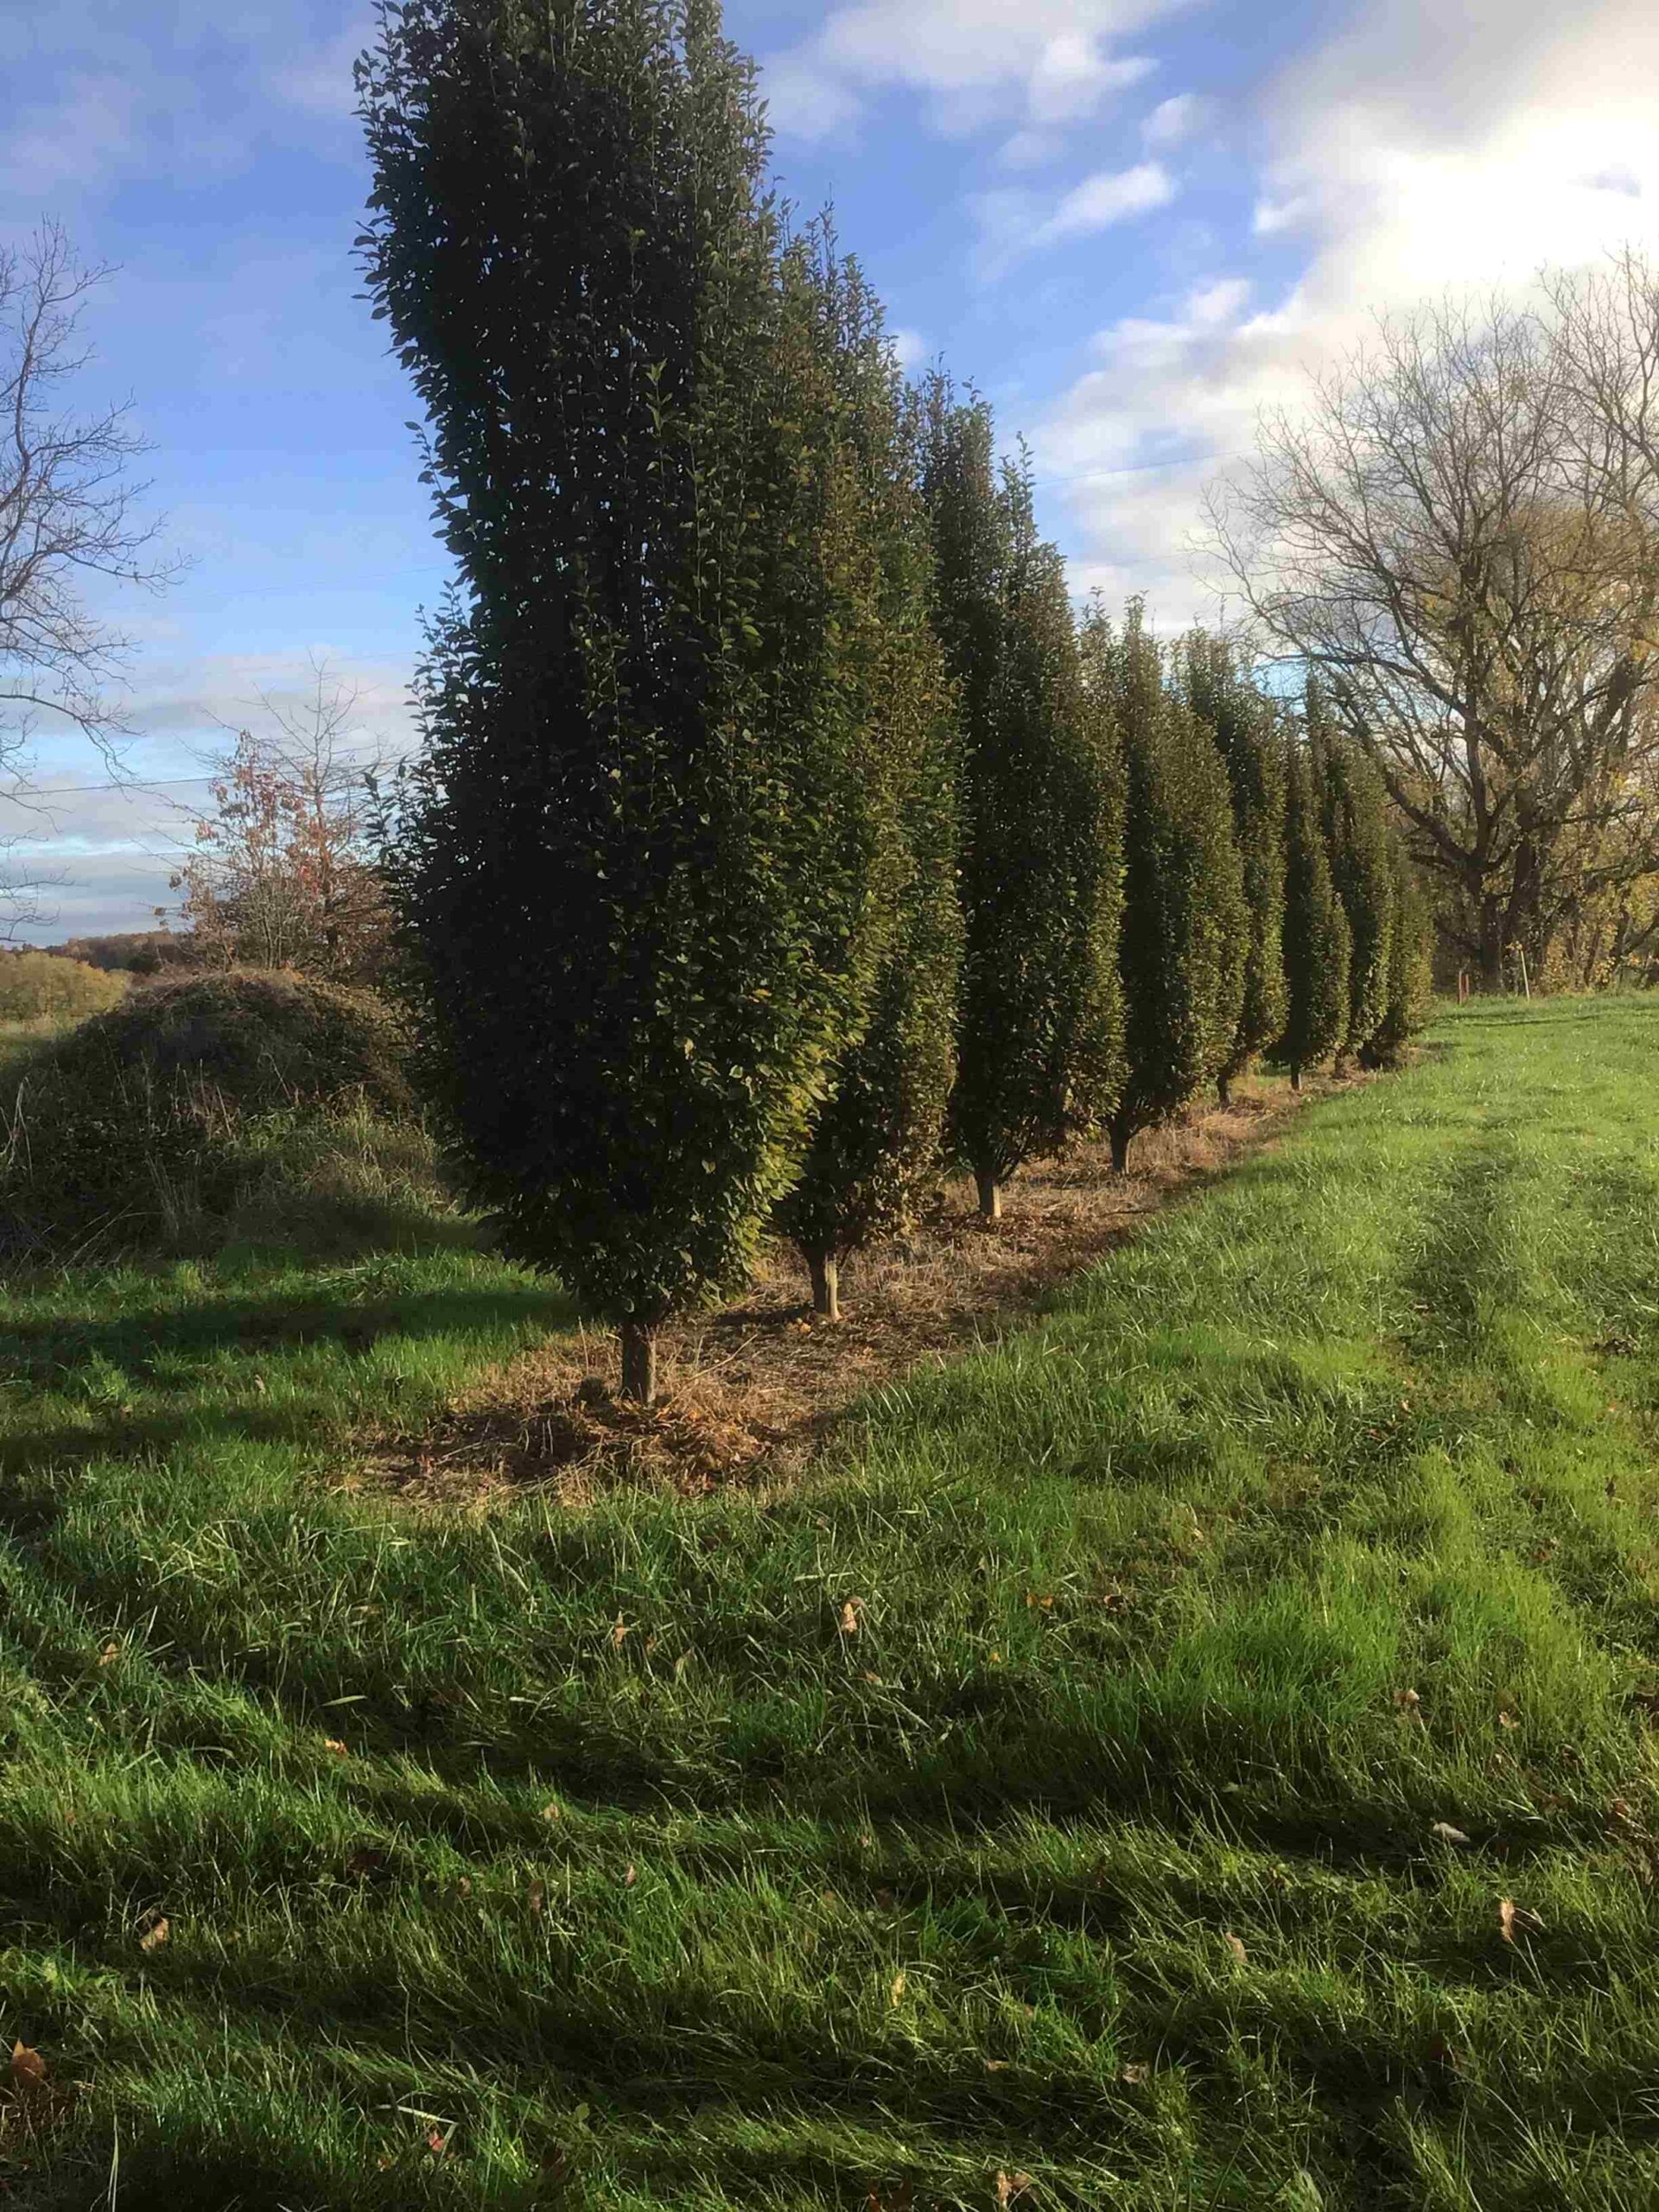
[
  {"x": 1224, "y": 1088},
  {"x": 1491, "y": 946},
  {"x": 1119, "y": 1137},
  {"x": 638, "y": 1363},
  {"x": 1296, "y": 1078},
  {"x": 826, "y": 1285},
  {"x": 990, "y": 1196}
]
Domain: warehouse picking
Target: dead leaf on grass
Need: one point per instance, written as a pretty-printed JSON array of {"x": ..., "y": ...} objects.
[
  {"x": 1236, "y": 1945},
  {"x": 619, "y": 1633},
  {"x": 1010, "y": 2188},
  {"x": 631, "y": 1877},
  {"x": 1136, "y": 2074},
  {"x": 1447, "y": 1833},
  {"x": 156, "y": 1934},
  {"x": 333, "y": 1744},
  {"x": 28, "y": 2070},
  {"x": 851, "y": 1614},
  {"x": 536, "y": 1898}
]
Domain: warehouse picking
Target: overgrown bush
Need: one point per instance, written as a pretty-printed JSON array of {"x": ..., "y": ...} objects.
[
  {"x": 153, "y": 1122},
  {"x": 43, "y": 987}
]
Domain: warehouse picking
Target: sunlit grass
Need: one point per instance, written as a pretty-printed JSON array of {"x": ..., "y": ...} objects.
[{"x": 555, "y": 1858}]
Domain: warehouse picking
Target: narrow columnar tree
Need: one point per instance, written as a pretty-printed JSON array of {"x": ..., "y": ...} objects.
[
  {"x": 1354, "y": 802},
  {"x": 1410, "y": 966},
  {"x": 1318, "y": 947},
  {"x": 1041, "y": 1024},
  {"x": 1242, "y": 724},
  {"x": 1185, "y": 920},
  {"x": 876, "y": 1137},
  {"x": 643, "y": 838}
]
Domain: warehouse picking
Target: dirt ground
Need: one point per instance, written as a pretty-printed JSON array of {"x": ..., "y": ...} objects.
[{"x": 750, "y": 1389}]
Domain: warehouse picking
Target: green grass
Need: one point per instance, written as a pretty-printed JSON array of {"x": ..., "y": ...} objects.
[{"x": 1104, "y": 1851}]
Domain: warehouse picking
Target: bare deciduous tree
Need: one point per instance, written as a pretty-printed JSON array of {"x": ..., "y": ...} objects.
[
  {"x": 1452, "y": 530},
  {"x": 69, "y": 520}
]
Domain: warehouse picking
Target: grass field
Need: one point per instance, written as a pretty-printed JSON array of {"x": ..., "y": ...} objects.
[{"x": 1196, "y": 1754}]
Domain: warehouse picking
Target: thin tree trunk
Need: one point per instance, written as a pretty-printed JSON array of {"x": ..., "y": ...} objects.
[
  {"x": 990, "y": 1196},
  {"x": 1224, "y": 1088},
  {"x": 1296, "y": 1078},
  {"x": 826, "y": 1285},
  {"x": 1119, "y": 1137},
  {"x": 638, "y": 1363}
]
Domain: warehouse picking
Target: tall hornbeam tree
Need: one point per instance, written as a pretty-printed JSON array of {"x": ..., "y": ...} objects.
[
  {"x": 1411, "y": 962},
  {"x": 645, "y": 835},
  {"x": 1039, "y": 1053},
  {"x": 1355, "y": 811},
  {"x": 1318, "y": 946},
  {"x": 1186, "y": 921},
  {"x": 1241, "y": 723},
  {"x": 876, "y": 1137}
]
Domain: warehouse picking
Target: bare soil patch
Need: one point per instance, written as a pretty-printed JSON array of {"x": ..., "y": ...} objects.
[{"x": 751, "y": 1389}]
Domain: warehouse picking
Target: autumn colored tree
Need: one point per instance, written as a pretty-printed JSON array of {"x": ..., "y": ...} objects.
[
  {"x": 282, "y": 874},
  {"x": 643, "y": 856},
  {"x": 1243, "y": 723},
  {"x": 1040, "y": 1040},
  {"x": 1185, "y": 918}
]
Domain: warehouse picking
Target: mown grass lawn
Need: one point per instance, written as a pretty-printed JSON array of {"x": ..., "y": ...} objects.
[{"x": 1101, "y": 1786}]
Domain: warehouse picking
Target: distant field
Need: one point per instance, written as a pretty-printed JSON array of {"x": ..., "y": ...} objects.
[{"x": 1197, "y": 1754}]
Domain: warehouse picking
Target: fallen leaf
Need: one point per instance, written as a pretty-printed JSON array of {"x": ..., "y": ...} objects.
[
  {"x": 1408, "y": 1702},
  {"x": 109, "y": 1655},
  {"x": 1236, "y": 1945},
  {"x": 536, "y": 1898},
  {"x": 259, "y": 1386},
  {"x": 156, "y": 1935},
  {"x": 554, "y": 1812},
  {"x": 463, "y": 1886},
  {"x": 874, "y": 1679},
  {"x": 1447, "y": 1833},
  {"x": 436, "y": 2141},
  {"x": 1508, "y": 1721},
  {"x": 28, "y": 2070},
  {"x": 996, "y": 2065},
  {"x": 619, "y": 1633},
  {"x": 1042, "y": 1605},
  {"x": 1136, "y": 2074},
  {"x": 850, "y": 1613},
  {"x": 332, "y": 1744},
  {"x": 631, "y": 1877},
  {"x": 1010, "y": 2188},
  {"x": 900, "y": 1984}
]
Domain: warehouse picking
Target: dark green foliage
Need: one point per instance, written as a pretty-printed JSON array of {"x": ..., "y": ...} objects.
[
  {"x": 1186, "y": 919},
  {"x": 648, "y": 834},
  {"x": 1411, "y": 962},
  {"x": 1039, "y": 1053},
  {"x": 173, "y": 1091},
  {"x": 1317, "y": 940},
  {"x": 1354, "y": 811},
  {"x": 1241, "y": 722},
  {"x": 876, "y": 1140}
]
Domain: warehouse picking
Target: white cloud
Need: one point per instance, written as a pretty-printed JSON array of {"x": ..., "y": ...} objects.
[
  {"x": 1048, "y": 61},
  {"x": 1174, "y": 120},
  {"x": 909, "y": 349},
  {"x": 1012, "y": 223},
  {"x": 1434, "y": 144}
]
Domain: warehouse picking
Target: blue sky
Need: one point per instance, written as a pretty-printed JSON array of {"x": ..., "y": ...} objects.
[{"x": 1132, "y": 222}]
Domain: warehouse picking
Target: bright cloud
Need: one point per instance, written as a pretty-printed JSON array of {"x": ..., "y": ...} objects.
[
  {"x": 976, "y": 60},
  {"x": 1431, "y": 146},
  {"x": 1012, "y": 223}
]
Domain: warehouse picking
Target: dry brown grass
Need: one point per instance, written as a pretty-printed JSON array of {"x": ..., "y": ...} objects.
[{"x": 750, "y": 1389}]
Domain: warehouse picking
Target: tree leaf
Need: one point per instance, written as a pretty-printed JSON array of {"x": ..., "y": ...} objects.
[
  {"x": 28, "y": 2070},
  {"x": 156, "y": 1934},
  {"x": 1236, "y": 1945},
  {"x": 1447, "y": 1833}
]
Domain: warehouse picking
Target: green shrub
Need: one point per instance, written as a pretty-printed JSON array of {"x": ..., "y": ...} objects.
[
  {"x": 44, "y": 987},
  {"x": 152, "y": 1121}
]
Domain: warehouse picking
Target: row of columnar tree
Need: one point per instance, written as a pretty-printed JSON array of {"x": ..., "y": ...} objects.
[{"x": 779, "y": 832}]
